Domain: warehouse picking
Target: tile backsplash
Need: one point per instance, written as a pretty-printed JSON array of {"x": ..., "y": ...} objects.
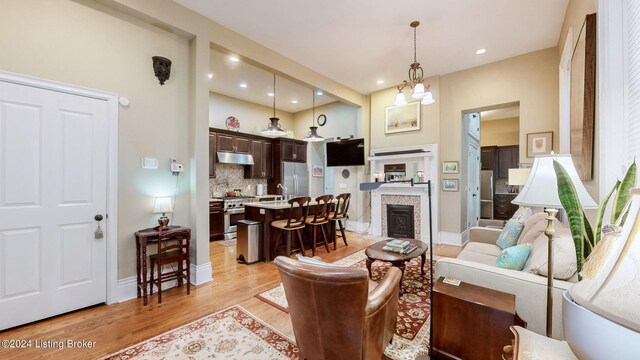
[{"x": 231, "y": 176}]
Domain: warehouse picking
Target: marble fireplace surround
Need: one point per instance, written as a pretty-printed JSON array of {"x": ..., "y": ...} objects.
[{"x": 405, "y": 194}]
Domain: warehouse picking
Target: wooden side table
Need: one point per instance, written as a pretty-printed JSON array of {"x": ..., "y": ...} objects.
[
  {"x": 471, "y": 322},
  {"x": 143, "y": 238}
]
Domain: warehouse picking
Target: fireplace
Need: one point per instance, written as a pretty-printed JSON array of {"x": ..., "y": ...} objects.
[{"x": 400, "y": 221}]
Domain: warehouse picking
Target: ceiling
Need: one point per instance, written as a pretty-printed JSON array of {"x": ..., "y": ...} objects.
[
  {"x": 359, "y": 42},
  {"x": 227, "y": 76},
  {"x": 501, "y": 113}
]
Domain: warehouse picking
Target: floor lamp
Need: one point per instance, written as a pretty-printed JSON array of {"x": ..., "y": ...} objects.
[{"x": 541, "y": 190}]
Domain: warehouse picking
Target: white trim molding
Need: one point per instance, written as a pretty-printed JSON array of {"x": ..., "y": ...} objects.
[
  {"x": 564, "y": 70},
  {"x": 449, "y": 238},
  {"x": 201, "y": 274}
]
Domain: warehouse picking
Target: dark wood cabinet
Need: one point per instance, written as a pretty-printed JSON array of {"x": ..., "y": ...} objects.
[
  {"x": 508, "y": 157},
  {"x": 284, "y": 150},
  {"x": 471, "y": 322},
  {"x": 233, "y": 143},
  {"x": 212, "y": 155},
  {"x": 503, "y": 209},
  {"x": 216, "y": 220},
  {"x": 488, "y": 157},
  {"x": 293, "y": 151},
  {"x": 262, "y": 153},
  {"x": 301, "y": 153}
]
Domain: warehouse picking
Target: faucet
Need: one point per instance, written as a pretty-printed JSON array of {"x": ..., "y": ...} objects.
[{"x": 284, "y": 191}]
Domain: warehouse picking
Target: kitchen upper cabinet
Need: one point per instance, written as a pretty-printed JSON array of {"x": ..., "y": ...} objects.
[
  {"x": 233, "y": 143},
  {"x": 212, "y": 155},
  {"x": 508, "y": 157},
  {"x": 268, "y": 159},
  {"x": 262, "y": 153},
  {"x": 488, "y": 157},
  {"x": 293, "y": 151}
]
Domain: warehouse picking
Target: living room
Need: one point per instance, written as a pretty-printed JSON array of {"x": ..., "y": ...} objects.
[{"x": 108, "y": 45}]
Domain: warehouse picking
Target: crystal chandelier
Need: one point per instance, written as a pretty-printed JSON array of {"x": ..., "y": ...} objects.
[{"x": 416, "y": 77}]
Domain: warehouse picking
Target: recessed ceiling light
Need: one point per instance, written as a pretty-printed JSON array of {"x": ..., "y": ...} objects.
[
  {"x": 234, "y": 58},
  {"x": 481, "y": 51},
  {"x": 380, "y": 82},
  {"x": 294, "y": 101},
  {"x": 210, "y": 76},
  {"x": 243, "y": 85},
  {"x": 270, "y": 94},
  {"x": 319, "y": 93}
]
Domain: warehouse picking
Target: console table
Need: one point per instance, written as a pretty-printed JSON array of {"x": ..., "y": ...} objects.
[
  {"x": 471, "y": 322},
  {"x": 143, "y": 238}
]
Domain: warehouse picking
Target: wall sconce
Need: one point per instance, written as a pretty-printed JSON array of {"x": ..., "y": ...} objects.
[
  {"x": 376, "y": 176},
  {"x": 420, "y": 176},
  {"x": 162, "y": 68}
]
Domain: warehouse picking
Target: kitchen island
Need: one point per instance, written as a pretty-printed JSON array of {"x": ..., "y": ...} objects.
[{"x": 268, "y": 211}]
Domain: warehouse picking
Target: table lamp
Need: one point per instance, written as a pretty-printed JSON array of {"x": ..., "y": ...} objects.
[
  {"x": 541, "y": 190},
  {"x": 163, "y": 206}
]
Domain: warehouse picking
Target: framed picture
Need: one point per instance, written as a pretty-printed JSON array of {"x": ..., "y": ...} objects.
[
  {"x": 317, "y": 170},
  {"x": 402, "y": 118},
  {"x": 450, "y": 167},
  {"x": 449, "y": 184},
  {"x": 539, "y": 143}
]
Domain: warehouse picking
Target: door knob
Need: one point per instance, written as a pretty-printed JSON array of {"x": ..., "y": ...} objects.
[{"x": 98, "y": 217}]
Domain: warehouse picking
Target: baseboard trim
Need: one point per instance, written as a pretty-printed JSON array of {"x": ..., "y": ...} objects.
[
  {"x": 127, "y": 287},
  {"x": 456, "y": 239}
]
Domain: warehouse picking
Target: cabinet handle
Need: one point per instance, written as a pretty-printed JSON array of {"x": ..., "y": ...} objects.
[{"x": 294, "y": 156}]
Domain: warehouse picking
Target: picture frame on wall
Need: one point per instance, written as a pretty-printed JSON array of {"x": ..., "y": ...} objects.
[
  {"x": 540, "y": 143},
  {"x": 317, "y": 170},
  {"x": 450, "y": 167},
  {"x": 449, "y": 184},
  {"x": 402, "y": 118}
]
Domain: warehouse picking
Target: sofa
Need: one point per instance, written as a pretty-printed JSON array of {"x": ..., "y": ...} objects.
[{"x": 476, "y": 264}]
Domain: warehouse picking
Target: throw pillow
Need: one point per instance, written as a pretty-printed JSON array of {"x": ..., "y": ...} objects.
[
  {"x": 533, "y": 220},
  {"x": 509, "y": 234},
  {"x": 522, "y": 214},
  {"x": 532, "y": 231},
  {"x": 564, "y": 255},
  {"x": 514, "y": 257}
]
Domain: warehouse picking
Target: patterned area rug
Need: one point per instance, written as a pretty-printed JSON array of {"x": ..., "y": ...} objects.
[
  {"x": 412, "y": 330},
  {"x": 233, "y": 333}
]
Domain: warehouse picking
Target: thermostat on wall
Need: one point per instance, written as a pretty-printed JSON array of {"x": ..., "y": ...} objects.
[{"x": 175, "y": 167}]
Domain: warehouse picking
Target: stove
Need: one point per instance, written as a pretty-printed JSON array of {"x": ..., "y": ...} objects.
[
  {"x": 236, "y": 202},
  {"x": 233, "y": 207}
]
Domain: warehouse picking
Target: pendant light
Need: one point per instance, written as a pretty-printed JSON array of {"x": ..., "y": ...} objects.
[
  {"x": 274, "y": 129},
  {"x": 313, "y": 136},
  {"x": 416, "y": 77}
]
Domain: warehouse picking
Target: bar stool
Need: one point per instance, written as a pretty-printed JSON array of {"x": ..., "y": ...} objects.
[
  {"x": 341, "y": 213},
  {"x": 319, "y": 219},
  {"x": 293, "y": 223}
]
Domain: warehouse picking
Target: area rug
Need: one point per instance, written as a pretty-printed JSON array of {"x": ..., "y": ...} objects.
[
  {"x": 233, "y": 333},
  {"x": 412, "y": 330},
  {"x": 231, "y": 242}
]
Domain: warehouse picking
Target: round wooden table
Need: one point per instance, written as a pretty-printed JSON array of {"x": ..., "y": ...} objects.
[{"x": 375, "y": 252}]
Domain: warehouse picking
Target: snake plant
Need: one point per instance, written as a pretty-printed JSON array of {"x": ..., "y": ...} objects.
[{"x": 585, "y": 237}]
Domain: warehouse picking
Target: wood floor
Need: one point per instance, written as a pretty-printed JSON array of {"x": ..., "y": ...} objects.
[{"x": 115, "y": 327}]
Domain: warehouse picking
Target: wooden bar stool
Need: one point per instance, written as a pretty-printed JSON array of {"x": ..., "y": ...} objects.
[
  {"x": 173, "y": 248},
  {"x": 341, "y": 213},
  {"x": 293, "y": 223},
  {"x": 319, "y": 219}
]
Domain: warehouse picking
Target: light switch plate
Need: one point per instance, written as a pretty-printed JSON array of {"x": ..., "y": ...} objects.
[
  {"x": 343, "y": 186},
  {"x": 150, "y": 163}
]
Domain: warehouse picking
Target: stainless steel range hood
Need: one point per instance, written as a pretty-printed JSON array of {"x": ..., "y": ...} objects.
[{"x": 235, "y": 158}]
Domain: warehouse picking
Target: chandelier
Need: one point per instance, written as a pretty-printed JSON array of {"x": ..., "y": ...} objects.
[
  {"x": 274, "y": 127},
  {"x": 313, "y": 136},
  {"x": 416, "y": 76}
]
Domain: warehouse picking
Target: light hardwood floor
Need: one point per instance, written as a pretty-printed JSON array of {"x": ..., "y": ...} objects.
[{"x": 115, "y": 327}]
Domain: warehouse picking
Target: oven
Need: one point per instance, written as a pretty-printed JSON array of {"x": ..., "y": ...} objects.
[{"x": 231, "y": 218}]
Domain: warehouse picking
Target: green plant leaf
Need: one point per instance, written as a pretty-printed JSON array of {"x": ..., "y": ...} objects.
[
  {"x": 601, "y": 210},
  {"x": 571, "y": 204},
  {"x": 588, "y": 236},
  {"x": 623, "y": 195}
]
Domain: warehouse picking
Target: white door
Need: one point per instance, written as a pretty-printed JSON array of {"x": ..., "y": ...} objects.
[
  {"x": 53, "y": 181},
  {"x": 473, "y": 182}
]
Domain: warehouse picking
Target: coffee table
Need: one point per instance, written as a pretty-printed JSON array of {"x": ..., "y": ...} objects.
[{"x": 375, "y": 252}]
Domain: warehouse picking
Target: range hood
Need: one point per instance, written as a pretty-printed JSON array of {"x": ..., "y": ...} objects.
[{"x": 235, "y": 158}]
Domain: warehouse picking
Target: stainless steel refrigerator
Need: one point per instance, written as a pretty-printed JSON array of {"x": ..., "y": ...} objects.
[
  {"x": 486, "y": 194},
  {"x": 295, "y": 178}
]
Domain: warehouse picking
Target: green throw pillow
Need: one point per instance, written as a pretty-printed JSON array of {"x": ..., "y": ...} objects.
[
  {"x": 510, "y": 234},
  {"x": 514, "y": 257}
]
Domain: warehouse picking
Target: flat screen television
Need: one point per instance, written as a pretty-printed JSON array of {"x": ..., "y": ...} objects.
[{"x": 345, "y": 152}]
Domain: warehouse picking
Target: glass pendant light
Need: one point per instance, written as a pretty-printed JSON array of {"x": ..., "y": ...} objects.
[
  {"x": 400, "y": 99},
  {"x": 428, "y": 98},
  {"x": 313, "y": 136},
  {"x": 274, "y": 129},
  {"x": 418, "y": 91}
]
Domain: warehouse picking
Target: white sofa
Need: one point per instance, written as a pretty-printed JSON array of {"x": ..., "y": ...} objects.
[{"x": 476, "y": 265}]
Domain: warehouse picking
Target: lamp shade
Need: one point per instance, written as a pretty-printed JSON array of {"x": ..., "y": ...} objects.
[
  {"x": 273, "y": 128},
  {"x": 418, "y": 91},
  {"x": 428, "y": 98},
  {"x": 163, "y": 205},
  {"x": 518, "y": 176},
  {"x": 313, "y": 136},
  {"x": 541, "y": 188},
  {"x": 400, "y": 99}
]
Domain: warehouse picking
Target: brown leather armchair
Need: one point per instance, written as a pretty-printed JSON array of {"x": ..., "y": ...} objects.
[{"x": 333, "y": 314}]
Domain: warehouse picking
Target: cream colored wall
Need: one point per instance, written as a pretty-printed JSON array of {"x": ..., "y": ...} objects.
[
  {"x": 500, "y": 132},
  {"x": 253, "y": 117},
  {"x": 98, "y": 48}
]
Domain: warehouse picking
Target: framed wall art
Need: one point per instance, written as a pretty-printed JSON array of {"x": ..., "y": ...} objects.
[
  {"x": 449, "y": 184},
  {"x": 317, "y": 170},
  {"x": 450, "y": 167},
  {"x": 540, "y": 143},
  {"x": 402, "y": 118}
]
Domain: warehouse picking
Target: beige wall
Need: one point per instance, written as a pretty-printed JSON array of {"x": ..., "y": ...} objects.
[
  {"x": 253, "y": 117},
  {"x": 500, "y": 132},
  {"x": 96, "y": 48}
]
